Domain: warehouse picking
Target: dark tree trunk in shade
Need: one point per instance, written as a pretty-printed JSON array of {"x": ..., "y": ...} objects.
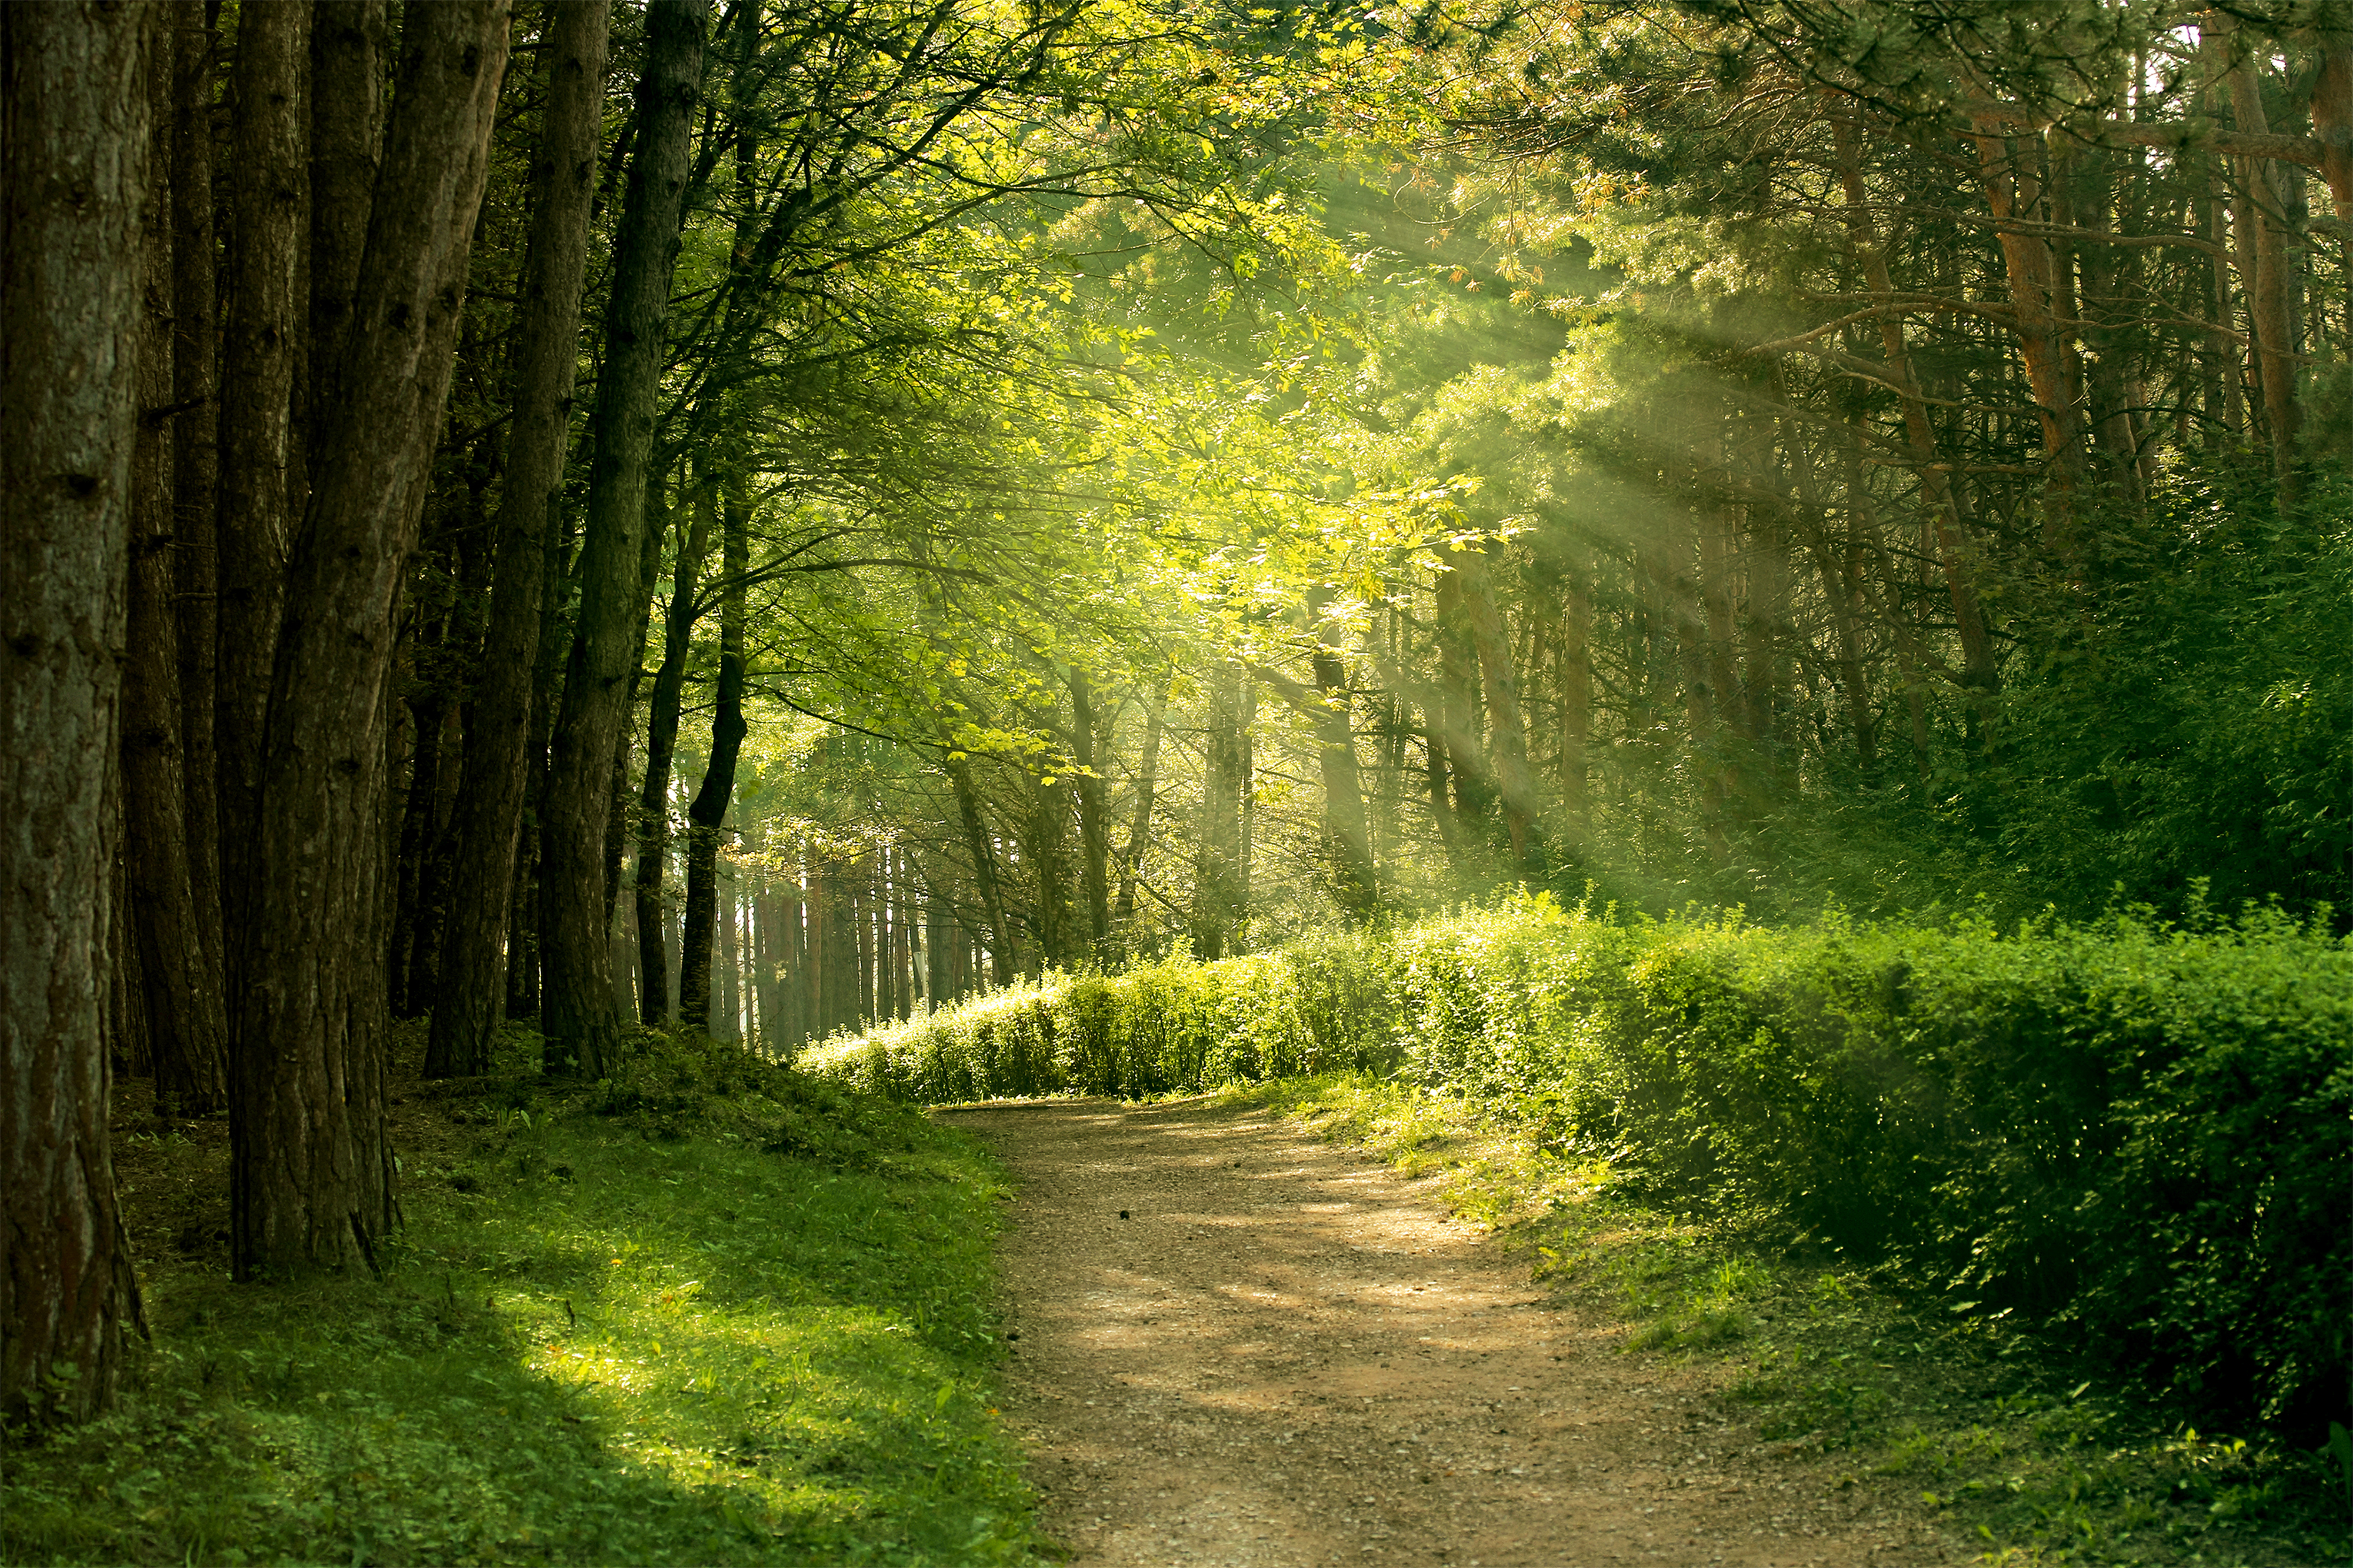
[
  {"x": 707, "y": 813},
  {"x": 180, "y": 986},
  {"x": 486, "y": 905},
  {"x": 346, "y": 109},
  {"x": 74, "y": 146},
  {"x": 195, "y": 474},
  {"x": 978, "y": 845},
  {"x": 577, "y": 1013},
  {"x": 268, "y": 214},
  {"x": 311, "y": 1166},
  {"x": 662, "y": 749}
]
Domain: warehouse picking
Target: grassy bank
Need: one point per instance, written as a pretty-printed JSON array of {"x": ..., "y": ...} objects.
[
  {"x": 711, "y": 1312},
  {"x": 2039, "y": 1456}
]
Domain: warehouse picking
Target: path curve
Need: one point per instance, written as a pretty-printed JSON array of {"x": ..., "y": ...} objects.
[{"x": 1290, "y": 1355}]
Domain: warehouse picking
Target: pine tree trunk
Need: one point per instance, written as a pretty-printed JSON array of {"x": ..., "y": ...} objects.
[
  {"x": 1139, "y": 827},
  {"x": 185, "y": 1010},
  {"x": 984, "y": 868},
  {"x": 74, "y": 146},
  {"x": 269, "y": 212},
  {"x": 707, "y": 813},
  {"x": 312, "y": 1171},
  {"x": 1094, "y": 826},
  {"x": 661, "y": 750},
  {"x": 1219, "y": 886},
  {"x": 195, "y": 483},
  {"x": 577, "y": 1013}
]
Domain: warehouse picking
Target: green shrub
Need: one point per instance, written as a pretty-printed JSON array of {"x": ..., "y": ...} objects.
[{"x": 2139, "y": 1134}]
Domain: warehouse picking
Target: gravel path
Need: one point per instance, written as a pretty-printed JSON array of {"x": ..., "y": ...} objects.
[{"x": 1283, "y": 1354}]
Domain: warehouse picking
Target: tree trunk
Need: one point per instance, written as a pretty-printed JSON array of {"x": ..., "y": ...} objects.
[
  {"x": 707, "y": 813},
  {"x": 498, "y": 728},
  {"x": 74, "y": 147},
  {"x": 661, "y": 747},
  {"x": 2268, "y": 285},
  {"x": 1094, "y": 826},
  {"x": 196, "y": 482},
  {"x": 577, "y": 1014},
  {"x": 1347, "y": 841},
  {"x": 185, "y": 1011},
  {"x": 311, "y": 1167},
  {"x": 1219, "y": 888},
  {"x": 2012, "y": 194},
  {"x": 1139, "y": 827},
  {"x": 1948, "y": 519},
  {"x": 268, "y": 203},
  {"x": 983, "y": 868},
  {"x": 1574, "y": 675}
]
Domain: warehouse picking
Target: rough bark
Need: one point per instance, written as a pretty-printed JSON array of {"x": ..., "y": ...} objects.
[
  {"x": 661, "y": 751},
  {"x": 73, "y": 152},
  {"x": 577, "y": 1014},
  {"x": 185, "y": 1008},
  {"x": 311, "y": 1167},
  {"x": 196, "y": 470},
  {"x": 269, "y": 209},
  {"x": 707, "y": 812},
  {"x": 346, "y": 104}
]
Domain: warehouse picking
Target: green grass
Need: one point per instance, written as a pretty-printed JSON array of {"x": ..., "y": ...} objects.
[
  {"x": 713, "y": 1313},
  {"x": 1998, "y": 1430}
]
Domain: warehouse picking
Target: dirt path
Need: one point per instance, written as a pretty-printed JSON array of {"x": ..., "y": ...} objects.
[{"x": 1284, "y": 1355}]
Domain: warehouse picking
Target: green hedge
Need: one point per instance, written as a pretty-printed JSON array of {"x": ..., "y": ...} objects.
[{"x": 2140, "y": 1135}]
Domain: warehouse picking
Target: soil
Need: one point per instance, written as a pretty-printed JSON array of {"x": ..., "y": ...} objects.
[{"x": 1235, "y": 1344}]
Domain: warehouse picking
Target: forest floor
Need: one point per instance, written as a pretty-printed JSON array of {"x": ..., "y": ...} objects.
[{"x": 1238, "y": 1342}]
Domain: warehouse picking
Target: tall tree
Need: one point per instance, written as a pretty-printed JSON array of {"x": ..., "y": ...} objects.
[
  {"x": 578, "y": 1014},
  {"x": 311, "y": 1167},
  {"x": 74, "y": 147},
  {"x": 707, "y": 813}
]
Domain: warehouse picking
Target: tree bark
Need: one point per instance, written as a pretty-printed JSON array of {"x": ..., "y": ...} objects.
[
  {"x": 269, "y": 209},
  {"x": 185, "y": 1011},
  {"x": 983, "y": 868},
  {"x": 195, "y": 479},
  {"x": 2269, "y": 283},
  {"x": 661, "y": 750},
  {"x": 707, "y": 812},
  {"x": 1095, "y": 826},
  {"x": 1218, "y": 887},
  {"x": 1139, "y": 827},
  {"x": 311, "y": 1167},
  {"x": 74, "y": 147},
  {"x": 577, "y": 1013}
]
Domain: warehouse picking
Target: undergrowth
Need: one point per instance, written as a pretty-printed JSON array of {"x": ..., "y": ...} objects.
[
  {"x": 708, "y": 1311},
  {"x": 2036, "y": 1455}
]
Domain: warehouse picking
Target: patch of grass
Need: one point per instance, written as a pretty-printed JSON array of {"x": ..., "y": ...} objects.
[
  {"x": 708, "y": 1313},
  {"x": 2000, "y": 1431}
]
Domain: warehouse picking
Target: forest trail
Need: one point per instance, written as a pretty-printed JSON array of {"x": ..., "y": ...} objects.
[{"x": 1288, "y": 1356}]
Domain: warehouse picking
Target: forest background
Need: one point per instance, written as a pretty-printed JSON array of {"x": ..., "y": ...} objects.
[{"x": 776, "y": 518}]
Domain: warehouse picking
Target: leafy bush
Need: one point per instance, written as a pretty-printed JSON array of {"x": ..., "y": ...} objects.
[{"x": 2138, "y": 1133}]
